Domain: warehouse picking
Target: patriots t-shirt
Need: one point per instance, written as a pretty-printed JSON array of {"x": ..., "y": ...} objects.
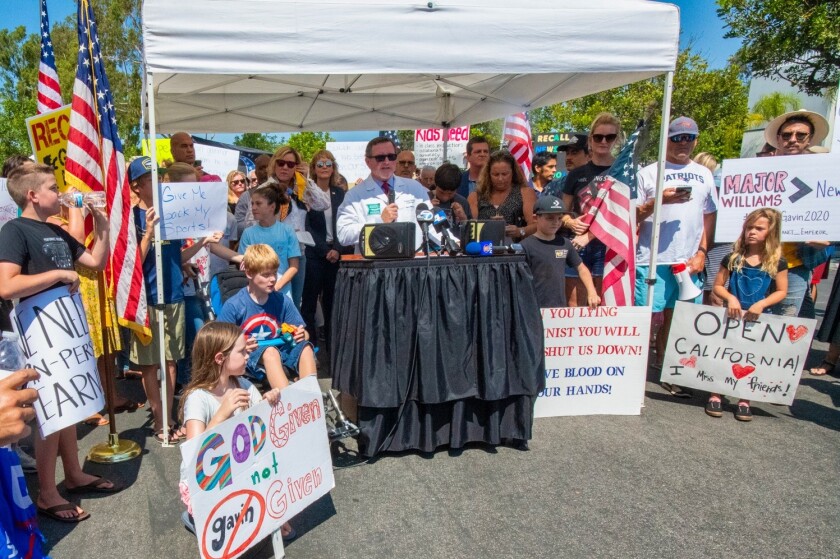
[{"x": 261, "y": 321}]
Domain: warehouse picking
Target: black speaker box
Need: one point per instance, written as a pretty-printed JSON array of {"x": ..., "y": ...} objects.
[{"x": 388, "y": 240}]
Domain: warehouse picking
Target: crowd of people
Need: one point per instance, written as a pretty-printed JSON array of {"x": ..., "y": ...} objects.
[{"x": 290, "y": 222}]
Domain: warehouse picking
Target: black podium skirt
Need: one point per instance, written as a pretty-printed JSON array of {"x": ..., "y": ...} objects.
[{"x": 443, "y": 352}]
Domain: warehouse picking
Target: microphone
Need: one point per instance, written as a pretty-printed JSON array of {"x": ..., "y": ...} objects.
[
  {"x": 442, "y": 226},
  {"x": 482, "y": 248},
  {"x": 424, "y": 217},
  {"x": 392, "y": 194}
]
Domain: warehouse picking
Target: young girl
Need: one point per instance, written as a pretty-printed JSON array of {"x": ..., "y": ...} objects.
[
  {"x": 217, "y": 391},
  {"x": 757, "y": 275}
]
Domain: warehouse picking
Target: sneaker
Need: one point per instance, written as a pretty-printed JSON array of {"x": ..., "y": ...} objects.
[
  {"x": 713, "y": 408},
  {"x": 27, "y": 463},
  {"x": 743, "y": 412}
]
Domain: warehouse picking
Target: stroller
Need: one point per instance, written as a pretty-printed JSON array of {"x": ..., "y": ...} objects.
[{"x": 222, "y": 287}]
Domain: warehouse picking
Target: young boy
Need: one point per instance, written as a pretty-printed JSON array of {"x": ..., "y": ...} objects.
[
  {"x": 36, "y": 256},
  {"x": 260, "y": 311},
  {"x": 548, "y": 253},
  {"x": 446, "y": 197},
  {"x": 147, "y": 357}
]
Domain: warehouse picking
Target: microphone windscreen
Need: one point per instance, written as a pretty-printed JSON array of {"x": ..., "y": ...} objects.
[
  {"x": 421, "y": 207},
  {"x": 392, "y": 195},
  {"x": 479, "y": 248}
]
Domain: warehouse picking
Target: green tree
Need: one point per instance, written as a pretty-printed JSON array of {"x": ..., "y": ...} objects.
[
  {"x": 770, "y": 106},
  {"x": 309, "y": 143},
  {"x": 406, "y": 138},
  {"x": 491, "y": 130},
  {"x": 265, "y": 142},
  {"x": 795, "y": 40}
]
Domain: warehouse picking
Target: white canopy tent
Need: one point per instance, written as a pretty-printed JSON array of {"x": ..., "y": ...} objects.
[{"x": 269, "y": 66}]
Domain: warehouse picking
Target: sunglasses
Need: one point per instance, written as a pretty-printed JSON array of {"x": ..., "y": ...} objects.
[
  {"x": 598, "y": 138},
  {"x": 284, "y": 163},
  {"x": 254, "y": 180},
  {"x": 381, "y": 158},
  {"x": 238, "y": 181},
  {"x": 322, "y": 164},
  {"x": 800, "y": 136},
  {"x": 680, "y": 138}
]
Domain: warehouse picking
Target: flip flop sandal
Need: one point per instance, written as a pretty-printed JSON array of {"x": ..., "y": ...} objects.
[
  {"x": 52, "y": 512},
  {"x": 96, "y": 487},
  {"x": 173, "y": 437},
  {"x": 826, "y": 367},
  {"x": 97, "y": 420},
  {"x": 129, "y": 406}
]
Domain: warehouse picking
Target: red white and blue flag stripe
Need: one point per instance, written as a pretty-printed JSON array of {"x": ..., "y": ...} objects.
[
  {"x": 49, "y": 90},
  {"x": 95, "y": 162},
  {"x": 517, "y": 135}
]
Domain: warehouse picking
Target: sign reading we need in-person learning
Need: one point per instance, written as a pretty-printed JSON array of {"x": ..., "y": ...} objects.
[
  {"x": 192, "y": 209},
  {"x": 257, "y": 470},
  {"x": 55, "y": 340},
  {"x": 595, "y": 361},
  {"x": 759, "y": 360},
  {"x": 48, "y": 136}
]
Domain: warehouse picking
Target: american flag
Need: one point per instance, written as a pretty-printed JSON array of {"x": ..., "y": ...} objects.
[
  {"x": 391, "y": 135},
  {"x": 49, "y": 90},
  {"x": 517, "y": 135},
  {"x": 95, "y": 161},
  {"x": 608, "y": 215}
]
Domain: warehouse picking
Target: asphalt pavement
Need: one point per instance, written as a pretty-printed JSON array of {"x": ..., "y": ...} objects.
[{"x": 671, "y": 482}]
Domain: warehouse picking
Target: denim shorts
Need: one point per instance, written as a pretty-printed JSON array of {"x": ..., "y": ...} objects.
[{"x": 592, "y": 256}]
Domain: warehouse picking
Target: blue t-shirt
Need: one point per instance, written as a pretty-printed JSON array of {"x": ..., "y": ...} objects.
[
  {"x": 173, "y": 290},
  {"x": 261, "y": 321},
  {"x": 280, "y": 237}
]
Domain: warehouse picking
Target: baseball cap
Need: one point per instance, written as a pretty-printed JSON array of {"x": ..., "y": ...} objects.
[
  {"x": 682, "y": 125},
  {"x": 550, "y": 205},
  {"x": 139, "y": 167},
  {"x": 576, "y": 141}
]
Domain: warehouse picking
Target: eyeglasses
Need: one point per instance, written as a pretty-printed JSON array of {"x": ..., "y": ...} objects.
[
  {"x": 680, "y": 138},
  {"x": 322, "y": 164},
  {"x": 800, "y": 136},
  {"x": 405, "y": 163},
  {"x": 284, "y": 163},
  {"x": 254, "y": 180},
  {"x": 381, "y": 158},
  {"x": 599, "y": 138},
  {"x": 237, "y": 181}
]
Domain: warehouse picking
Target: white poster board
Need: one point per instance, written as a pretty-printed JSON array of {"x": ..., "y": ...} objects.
[
  {"x": 760, "y": 361},
  {"x": 8, "y": 208},
  {"x": 55, "y": 340},
  {"x": 595, "y": 361},
  {"x": 257, "y": 470},
  {"x": 805, "y": 188},
  {"x": 428, "y": 146},
  {"x": 350, "y": 157},
  {"x": 192, "y": 209},
  {"x": 216, "y": 160}
]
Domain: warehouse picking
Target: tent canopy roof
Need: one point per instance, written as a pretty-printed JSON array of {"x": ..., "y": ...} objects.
[{"x": 266, "y": 66}]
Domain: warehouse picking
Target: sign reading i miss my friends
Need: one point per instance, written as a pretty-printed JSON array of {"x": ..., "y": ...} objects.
[
  {"x": 192, "y": 209},
  {"x": 255, "y": 471},
  {"x": 759, "y": 360},
  {"x": 595, "y": 361},
  {"x": 55, "y": 339}
]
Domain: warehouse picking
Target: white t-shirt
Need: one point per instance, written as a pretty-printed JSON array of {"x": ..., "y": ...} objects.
[{"x": 681, "y": 225}]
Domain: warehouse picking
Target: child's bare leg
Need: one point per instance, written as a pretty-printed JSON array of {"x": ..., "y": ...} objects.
[
  {"x": 152, "y": 388},
  {"x": 274, "y": 368},
  {"x": 306, "y": 364}
]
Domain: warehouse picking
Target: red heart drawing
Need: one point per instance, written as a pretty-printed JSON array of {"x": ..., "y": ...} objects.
[
  {"x": 740, "y": 371},
  {"x": 796, "y": 333},
  {"x": 690, "y": 362}
]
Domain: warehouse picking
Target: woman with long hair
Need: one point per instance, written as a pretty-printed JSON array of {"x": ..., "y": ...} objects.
[
  {"x": 502, "y": 192},
  {"x": 237, "y": 184}
]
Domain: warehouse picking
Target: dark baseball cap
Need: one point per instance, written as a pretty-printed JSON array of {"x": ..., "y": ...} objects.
[
  {"x": 682, "y": 125},
  {"x": 550, "y": 205},
  {"x": 576, "y": 141},
  {"x": 139, "y": 167}
]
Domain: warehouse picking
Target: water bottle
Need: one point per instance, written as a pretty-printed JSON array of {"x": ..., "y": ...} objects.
[
  {"x": 82, "y": 199},
  {"x": 11, "y": 356}
]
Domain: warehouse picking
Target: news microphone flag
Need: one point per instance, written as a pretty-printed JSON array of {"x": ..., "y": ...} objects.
[
  {"x": 95, "y": 162},
  {"x": 608, "y": 215},
  {"x": 517, "y": 135},
  {"x": 49, "y": 90}
]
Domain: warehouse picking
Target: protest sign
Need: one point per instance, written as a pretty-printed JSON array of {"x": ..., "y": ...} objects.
[
  {"x": 595, "y": 361},
  {"x": 8, "y": 208},
  {"x": 428, "y": 146},
  {"x": 214, "y": 160},
  {"x": 805, "y": 188},
  {"x": 192, "y": 209},
  {"x": 48, "y": 136},
  {"x": 257, "y": 470},
  {"x": 350, "y": 157},
  {"x": 55, "y": 340},
  {"x": 759, "y": 360}
]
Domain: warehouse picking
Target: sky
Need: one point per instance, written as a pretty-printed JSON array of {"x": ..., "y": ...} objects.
[{"x": 700, "y": 26}]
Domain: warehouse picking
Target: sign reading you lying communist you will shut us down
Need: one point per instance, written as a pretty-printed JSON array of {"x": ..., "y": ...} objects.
[{"x": 759, "y": 360}]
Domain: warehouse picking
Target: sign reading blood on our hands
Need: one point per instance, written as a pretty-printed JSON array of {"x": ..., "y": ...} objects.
[{"x": 756, "y": 360}]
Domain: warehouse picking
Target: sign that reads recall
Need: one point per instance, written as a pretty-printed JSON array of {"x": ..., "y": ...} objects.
[
  {"x": 595, "y": 361},
  {"x": 759, "y": 360},
  {"x": 257, "y": 470},
  {"x": 48, "y": 137},
  {"x": 192, "y": 209},
  {"x": 55, "y": 340}
]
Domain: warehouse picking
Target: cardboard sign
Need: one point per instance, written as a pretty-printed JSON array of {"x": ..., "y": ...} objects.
[
  {"x": 48, "y": 136},
  {"x": 55, "y": 339},
  {"x": 595, "y": 361},
  {"x": 192, "y": 209},
  {"x": 350, "y": 157},
  {"x": 805, "y": 188},
  {"x": 760, "y": 361},
  {"x": 214, "y": 160},
  {"x": 257, "y": 470},
  {"x": 428, "y": 146},
  {"x": 8, "y": 208}
]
